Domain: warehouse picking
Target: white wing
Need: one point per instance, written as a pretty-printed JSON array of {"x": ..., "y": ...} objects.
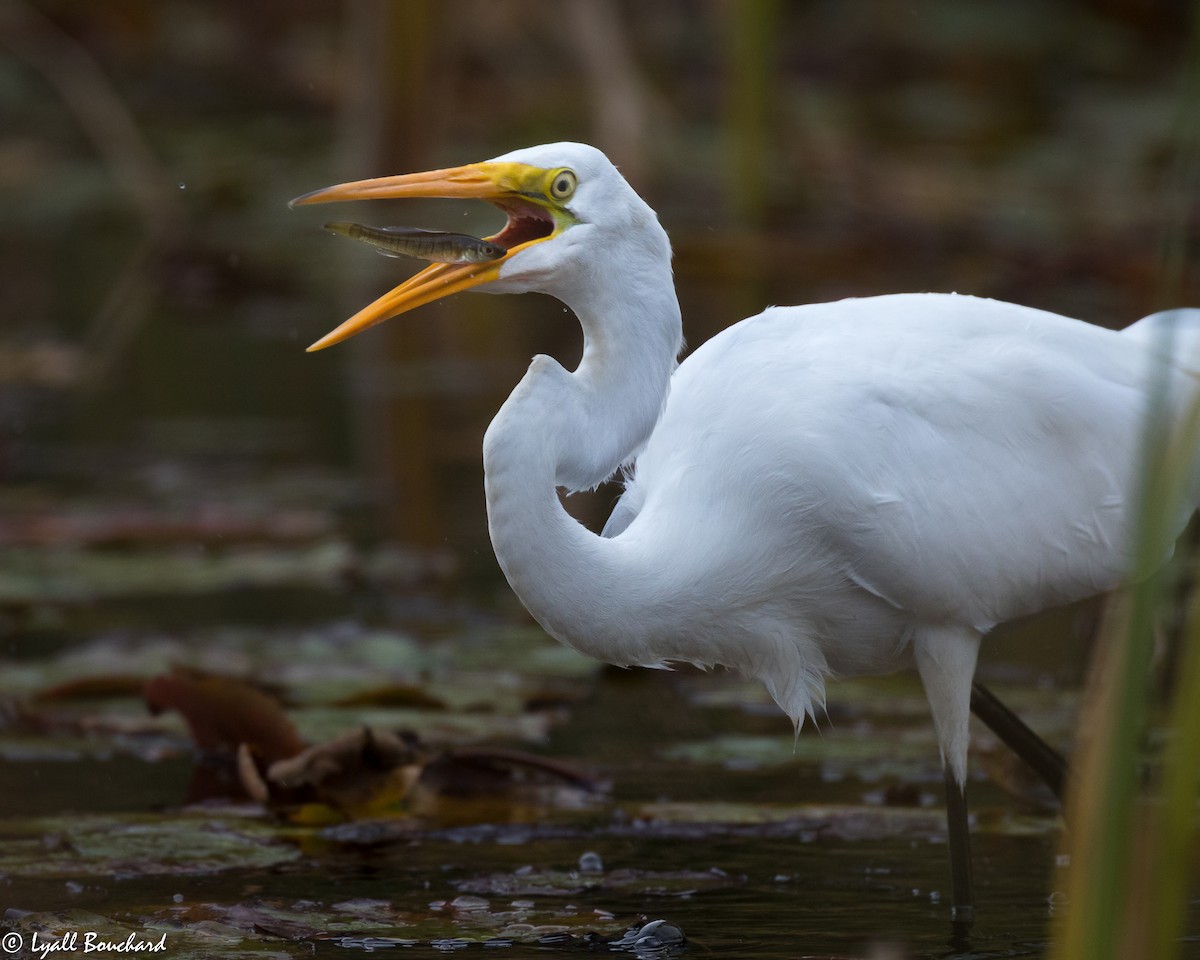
[{"x": 966, "y": 461}]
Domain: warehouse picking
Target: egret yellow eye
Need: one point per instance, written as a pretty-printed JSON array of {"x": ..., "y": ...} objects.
[{"x": 563, "y": 184}]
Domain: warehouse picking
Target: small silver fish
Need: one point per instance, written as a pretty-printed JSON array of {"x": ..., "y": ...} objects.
[{"x": 431, "y": 245}]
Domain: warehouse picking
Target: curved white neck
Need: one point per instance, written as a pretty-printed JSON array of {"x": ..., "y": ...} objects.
[{"x": 574, "y": 430}]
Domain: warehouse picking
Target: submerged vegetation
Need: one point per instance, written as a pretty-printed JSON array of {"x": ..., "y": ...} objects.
[{"x": 681, "y": 822}]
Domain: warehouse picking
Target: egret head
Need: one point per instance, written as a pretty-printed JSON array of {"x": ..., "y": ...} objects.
[{"x": 568, "y": 209}]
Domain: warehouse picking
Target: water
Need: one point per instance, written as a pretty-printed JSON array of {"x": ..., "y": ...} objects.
[
  {"x": 747, "y": 890},
  {"x": 762, "y": 856}
]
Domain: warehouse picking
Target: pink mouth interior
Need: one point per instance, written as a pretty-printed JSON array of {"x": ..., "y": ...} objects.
[{"x": 526, "y": 221}]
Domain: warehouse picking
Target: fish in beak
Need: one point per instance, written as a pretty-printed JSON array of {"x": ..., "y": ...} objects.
[{"x": 533, "y": 199}]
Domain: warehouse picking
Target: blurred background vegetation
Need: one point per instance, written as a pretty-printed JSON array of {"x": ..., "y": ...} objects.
[{"x": 157, "y": 292}]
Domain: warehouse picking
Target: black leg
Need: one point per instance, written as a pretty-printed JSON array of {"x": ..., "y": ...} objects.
[
  {"x": 1045, "y": 761},
  {"x": 962, "y": 900}
]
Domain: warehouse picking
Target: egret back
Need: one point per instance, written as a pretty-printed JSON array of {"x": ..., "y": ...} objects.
[{"x": 964, "y": 461}]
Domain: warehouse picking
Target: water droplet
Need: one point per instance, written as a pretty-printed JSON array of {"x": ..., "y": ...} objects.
[{"x": 590, "y": 862}]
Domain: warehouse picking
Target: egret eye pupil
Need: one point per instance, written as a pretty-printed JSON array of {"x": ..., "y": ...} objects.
[{"x": 563, "y": 185}]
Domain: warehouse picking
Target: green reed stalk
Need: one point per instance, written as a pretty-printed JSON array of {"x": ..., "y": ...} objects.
[
  {"x": 1174, "y": 833},
  {"x": 1104, "y": 786}
]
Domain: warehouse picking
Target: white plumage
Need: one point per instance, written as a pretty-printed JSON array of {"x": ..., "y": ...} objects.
[
  {"x": 829, "y": 484},
  {"x": 831, "y": 489}
]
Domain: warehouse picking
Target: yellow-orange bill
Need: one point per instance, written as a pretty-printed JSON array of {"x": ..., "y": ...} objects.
[
  {"x": 505, "y": 184},
  {"x": 432, "y": 283},
  {"x": 482, "y": 180}
]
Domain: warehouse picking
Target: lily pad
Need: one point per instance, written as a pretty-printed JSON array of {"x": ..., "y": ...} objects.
[
  {"x": 73, "y": 575},
  {"x": 266, "y": 928},
  {"x": 861, "y": 753},
  {"x": 80, "y": 930},
  {"x": 813, "y": 821},
  {"x": 528, "y": 882},
  {"x": 139, "y": 845},
  {"x": 269, "y": 929}
]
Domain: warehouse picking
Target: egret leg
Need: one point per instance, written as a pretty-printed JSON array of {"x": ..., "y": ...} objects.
[
  {"x": 958, "y": 831},
  {"x": 1042, "y": 758},
  {"x": 946, "y": 662}
]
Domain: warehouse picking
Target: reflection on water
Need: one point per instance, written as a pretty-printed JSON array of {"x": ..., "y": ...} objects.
[
  {"x": 738, "y": 877},
  {"x": 716, "y": 818}
]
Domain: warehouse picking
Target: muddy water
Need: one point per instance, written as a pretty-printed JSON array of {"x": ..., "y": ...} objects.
[{"x": 709, "y": 814}]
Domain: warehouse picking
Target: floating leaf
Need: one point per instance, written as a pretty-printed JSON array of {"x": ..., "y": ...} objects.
[
  {"x": 528, "y": 882},
  {"x": 142, "y": 844},
  {"x": 222, "y": 713},
  {"x": 406, "y": 695},
  {"x": 93, "y": 688},
  {"x": 360, "y": 774}
]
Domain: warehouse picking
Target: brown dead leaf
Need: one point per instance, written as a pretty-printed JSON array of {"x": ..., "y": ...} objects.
[
  {"x": 393, "y": 695},
  {"x": 476, "y": 770},
  {"x": 93, "y": 688},
  {"x": 360, "y": 774},
  {"x": 222, "y": 713},
  {"x": 1014, "y": 776},
  {"x": 368, "y": 772}
]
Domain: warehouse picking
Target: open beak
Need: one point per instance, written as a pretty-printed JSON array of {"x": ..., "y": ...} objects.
[{"x": 515, "y": 188}]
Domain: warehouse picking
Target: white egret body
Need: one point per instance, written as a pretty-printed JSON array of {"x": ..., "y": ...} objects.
[{"x": 833, "y": 489}]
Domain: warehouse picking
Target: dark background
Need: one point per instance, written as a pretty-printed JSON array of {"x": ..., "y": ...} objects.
[{"x": 157, "y": 292}]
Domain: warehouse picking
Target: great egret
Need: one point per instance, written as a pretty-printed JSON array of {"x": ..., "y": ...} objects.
[{"x": 823, "y": 490}]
